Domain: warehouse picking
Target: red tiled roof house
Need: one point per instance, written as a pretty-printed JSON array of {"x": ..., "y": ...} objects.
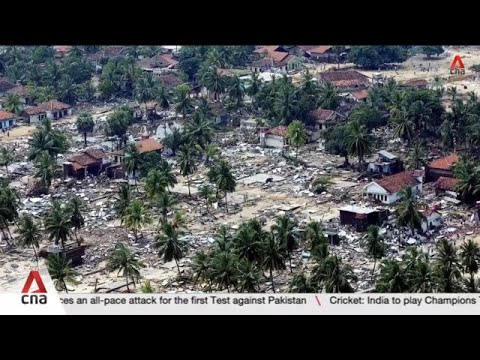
[
  {"x": 347, "y": 81},
  {"x": 91, "y": 161},
  {"x": 441, "y": 167},
  {"x": 276, "y": 137},
  {"x": 387, "y": 190},
  {"x": 7, "y": 120},
  {"x": 52, "y": 109}
]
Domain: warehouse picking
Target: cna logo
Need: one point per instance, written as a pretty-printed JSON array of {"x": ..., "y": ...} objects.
[
  {"x": 33, "y": 298},
  {"x": 457, "y": 67}
]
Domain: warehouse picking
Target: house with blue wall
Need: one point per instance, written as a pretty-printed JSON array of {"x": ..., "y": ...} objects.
[{"x": 7, "y": 119}]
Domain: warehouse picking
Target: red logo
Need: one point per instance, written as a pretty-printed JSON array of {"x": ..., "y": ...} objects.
[
  {"x": 34, "y": 275},
  {"x": 457, "y": 63}
]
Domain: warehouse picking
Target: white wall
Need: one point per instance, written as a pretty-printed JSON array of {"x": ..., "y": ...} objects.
[
  {"x": 274, "y": 141},
  {"x": 376, "y": 192},
  {"x": 433, "y": 220}
]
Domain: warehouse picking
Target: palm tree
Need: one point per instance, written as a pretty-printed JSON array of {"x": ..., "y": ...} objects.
[
  {"x": 199, "y": 130},
  {"x": 273, "y": 256},
  {"x": 169, "y": 246},
  {"x": 225, "y": 181},
  {"x": 58, "y": 223},
  {"x": 392, "y": 278},
  {"x": 338, "y": 50},
  {"x": 201, "y": 265},
  {"x": 206, "y": 192},
  {"x": 447, "y": 268},
  {"x": 301, "y": 284},
  {"x": 75, "y": 206},
  {"x": 469, "y": 256},
  {"x": 67, "y": 90},
  {"x": 358, "y": 141},
  {"x": 174, "y": 140},
  {"x": 210, "y": 152},
  {"x": 13, "y": 104},
  {"x": 247, "y": 242},
  {"x": 223, "y": 239},
  {"x": 147, "y": 287},
  {"x": 205, "y": 109},
  {"x": 155, "y": 183},
  {"x": 448, "y": 133},
  {"x": 165, "y": 202},
  {"x": 163, "y": 98},
  {"x": 420, "y": 277},
  {"x": 452, "y": 91},
  {"x": 224, "y": 270},
  {"x": 122, "y": 201},
  {"x": 29, "y": 234},
  {"x": 286, "y": 104},
  {"x": 248, "y": 276},
  {"x": 136, "y": 217},
  {"x": 9, "y": 206},
  {"x": 408, "y": 215},
  {"x": 6, "y": 158},
  {"x": 255, "y": 86},
  {"x": 236, "y": 91},
  {"x": 328, "y": 98},
  {"x": 297, "y": 135},
  {"x": 187, "y": 163},
  {"x": 416, "y": 156},
  {"x": 314, "y": 233},
  {"x": 132, "y": 161},
  {"x": 125, "y": 261},
  {"x": 214, "y": 82},
  {"x": 85, "y": 125},
  {"x": 284, "y": 230},
  {"x": 374, "y": 245},
  {"x": 45, "y": 166},
  {"x": 421, "y": 113},
  {"x": 182, "y": 100},
  {"x": 145, "y": 90},
  {"x": 335, "y": 276},
  {"x": 468, "y": 176},
  {"x": 61, "y": 271},
  {"x": 404, "y": 127}
]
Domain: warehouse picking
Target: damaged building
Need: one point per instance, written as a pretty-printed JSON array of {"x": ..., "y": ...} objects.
[
  {"x": 385, "y": 163},
  {"x": 387, "y": 190},
  {"x": 441, "y": 167},
  {"x": 90, "y": 162},
  {"x": 361, "y": 217}
]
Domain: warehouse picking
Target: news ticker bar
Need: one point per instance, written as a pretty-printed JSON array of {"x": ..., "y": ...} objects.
[{"x": 203, "y": 304}]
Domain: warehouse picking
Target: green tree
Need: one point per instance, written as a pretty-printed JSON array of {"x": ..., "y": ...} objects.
[
  {"x": 13, "y": 104},
  {"x": 468, "y": 176},
  {"x": 432, "y": 50},
  {"x": 247, "y": 277},
  {"x": 255, "y": 86},
  {"x": 358, "y": 141},
  {"x": 301, "y": 284},
  {"x": 163, "y": 98},
  {"x": 273, "y": 256},
  {"x": 165, "y": 203},
  {"x": 236, "y": 91},
  {"x": 47, "y": 139},
  {"x": 224, "y": 270},
  {"x": 201, "y": 265},
  {"x": 85, "y": 125},
  {"x": 209, "y": 151},
  {"x": 408, "y": 214},
  {"x": 61, "y": 271},
  {"x": 328, "y": 96},
  {"x": 136, "y": 217},
  {"x": 183, "y": 102},
  {"x": 168, "y": 244},
  {"x": 199, "y": 130},
  {"x": 314, "y": 234},
  {"x": 6, "y": 158},
  {"x": 214, "y": 82},
  {"x": 174, "y": 140},
  {"x": 225, "y": 181},
  {"x": 403, "y": 126},
  {"x": 58, "y": 223},
  {"x": 155, "y": 183},
  {"x": 132, "y": 161},
  {"x": 338, "y": 50},
  {"x": 284, "y": 230},
  {"x": 122, "y": 201},
  {"x": 187, "y": 164},
  {"x": 206, "y": 192},
  {"x": 334, "y": 275},
  {"x": 372, "y": 56},
  {"x": 147, "y": 287},
  {"x": 469, "y": 256},
  {"x": 297, "y": 135},
  {"x": 248, "y": 241},
  {"x": 447, "y": 268},
  {"x": 123, "y": 260},
  {"x": 45, "y": 169},
  {"x": 374, "y": 245},
  {"x": 392, "y": 278},
  {"x": 76, "y": 206},
  {"x": 145, "y": 90},
  {"x": 416, "y": 156},
  {"x": 223, "y": 239},
  {"x": 29, "y": 234}
]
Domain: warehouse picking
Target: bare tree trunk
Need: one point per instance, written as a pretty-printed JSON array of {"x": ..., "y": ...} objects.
[
  {"x": 188, "y": 184},
  {"x": 178, "y": 267},
  {"x": 126, "y": 279},
  {"x": 226, "y": 203},
  {"x": 271, "y": 280},
  {"x": 36, "y": 256}
]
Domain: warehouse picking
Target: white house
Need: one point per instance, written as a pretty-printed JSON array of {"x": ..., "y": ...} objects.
[
  {"x": 387, "y": 190},
  {"x": 432, "y": 219},
  {"x": 7, "y": 120},
  {"x": 52, "y": 109},
  {"x": 276, "y": 137},
  {"x": 33, "y": 115}
]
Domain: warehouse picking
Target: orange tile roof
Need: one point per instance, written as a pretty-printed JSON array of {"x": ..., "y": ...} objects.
[
  {"x": 322, "y": 115},
  {"x": 360, "y": 95},
  {"x": 444, "y": 163},
  {"x": 147, "y": 145},
  {"x": 34, "y": 110},
  {"x": 320, "y": 49},
  {"x": 5, "y": 115},
  {"x": 54, "y": 105},
  {"x": 278, "y": 131},
  {"x": 446, "y": 183},
  {"x": 397, "y": 182}
]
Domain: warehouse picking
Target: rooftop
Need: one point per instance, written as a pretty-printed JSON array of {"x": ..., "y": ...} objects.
[
  {"x": 278, "y": 131},
  {"x": 387, "y": 155},
  {"x": 54, "y": 105},
  {"x": 397, "y": 182},
  {"x": 344, "y": 78},
  {"x": 147, "y": 145},
  {"x": 446, "y": 183},
  {"x": 5, "y": 85},
  {"x": 444, "y": 163},
  {"x": 360, "y": 95},
  {"x": 5, "y": 115},
  {"x": 358, "y": 209},
  {"x": 88, "y": 157},
  {"x": 19, "y": 90},
  {"x": 34, "y": 110},
  {"x": 319, "y": 49},
  {"x": 322, "y": 115}
]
